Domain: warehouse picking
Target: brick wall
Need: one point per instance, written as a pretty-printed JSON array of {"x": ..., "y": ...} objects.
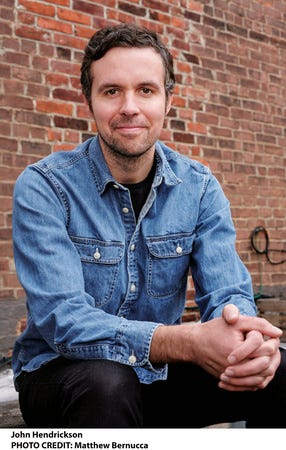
[{"x": 229, "y": 107}]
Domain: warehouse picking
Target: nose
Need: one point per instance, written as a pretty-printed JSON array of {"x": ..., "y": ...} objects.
[{"x": 129, "y": 105}]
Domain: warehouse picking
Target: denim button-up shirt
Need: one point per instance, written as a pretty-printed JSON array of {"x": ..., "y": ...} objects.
[{"x": 97, "y": 281}]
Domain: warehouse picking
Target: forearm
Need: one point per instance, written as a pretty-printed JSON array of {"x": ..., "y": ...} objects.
[{"x": 173, "y": 343}]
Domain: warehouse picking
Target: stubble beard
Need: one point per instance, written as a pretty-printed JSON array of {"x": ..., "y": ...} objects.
[{"x": 125, "y": 153}]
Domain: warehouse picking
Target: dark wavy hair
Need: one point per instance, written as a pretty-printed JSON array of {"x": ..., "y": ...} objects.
[{"x": 124, "y": 35}]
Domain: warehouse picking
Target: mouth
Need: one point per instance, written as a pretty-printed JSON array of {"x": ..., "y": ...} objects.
[{"x": 129, "y": 130}]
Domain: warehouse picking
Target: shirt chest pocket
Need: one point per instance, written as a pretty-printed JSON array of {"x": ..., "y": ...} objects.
[
  {"x": 168, "y": 263},
  {"x": 100, "y": 264}
]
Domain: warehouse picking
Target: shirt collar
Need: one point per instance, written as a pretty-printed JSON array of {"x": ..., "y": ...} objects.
[{"x": 103, "y": 177}]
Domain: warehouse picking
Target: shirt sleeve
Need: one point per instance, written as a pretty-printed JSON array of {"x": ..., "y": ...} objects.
[{"x": 219, "y": 275}]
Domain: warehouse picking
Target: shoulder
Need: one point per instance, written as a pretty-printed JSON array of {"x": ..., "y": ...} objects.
[
  {"x": 184, "y": 162},
  {"x": 63, "y": 158},
  {"x": 36, "y": 173}
]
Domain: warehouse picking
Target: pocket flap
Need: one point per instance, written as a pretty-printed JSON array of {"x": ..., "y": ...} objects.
[
  {"x": 98, "y": 252},
  {"x": 171, "y": 246}
]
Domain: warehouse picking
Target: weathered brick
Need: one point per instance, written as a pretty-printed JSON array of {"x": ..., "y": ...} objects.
[
  {"x": 32, "y": 33},
  {"x": 51, "y": 106},
  {"x": 28, "y": 117},
  {"x": 161, "y": 17},
  {"x": 183, "y": 137},
  {"x": 54, "y": 25},
  {"x": 67, "y": 94},
  {"x": 132, "y": 9},
  {"x": 89, "y": 8},
  {"x": 38, "y": 7},
  {"x": 13, "y": 101},
  {"x": 9, "y": 144},
  {"x": 64, "y": 67},
  {"x": 156, "y": 4},
  {"x": 74, "y": 16},
  {"x": 66, "y": 122},
  {"x": 37, "y": 148}
]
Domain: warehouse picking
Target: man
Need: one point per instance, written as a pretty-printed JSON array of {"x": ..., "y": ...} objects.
[{"x": 104, "y": 237}]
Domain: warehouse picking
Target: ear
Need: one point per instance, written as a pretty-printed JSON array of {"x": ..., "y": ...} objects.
[{"x": 169, "y": 101}]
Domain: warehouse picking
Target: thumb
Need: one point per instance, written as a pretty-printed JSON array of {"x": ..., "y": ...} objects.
[{"x": 230, "y": 313}]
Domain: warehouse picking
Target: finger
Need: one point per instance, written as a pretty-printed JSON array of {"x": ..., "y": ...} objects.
[
  {"x": 273, "y": 366},
  {"x": 262, "y": 366},
  {"x": 248, "y": 323},
  {"x": 245, "y": 384},
  {"x": 268, "y": 348},
  {"x": 265, "y": 382},
  {"x": 230, "y": 313},
  {"x": 250, "y": 381},
  {"x": 233, "y": 388},
  {"x": 252, "y": 343},
  {"x": 256, "y": 373}
]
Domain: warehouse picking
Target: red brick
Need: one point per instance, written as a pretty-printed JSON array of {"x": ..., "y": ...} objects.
[
  {"x": 162, "y": 18},
  {"x": 54, "y": 25},
  {"x": 132, "y": 9},
  {"x": 6, "y": 249},
  {"x": 72, "y": 136},
  {"x": 68, "y": 95},
  {"x": 74, "y": 16},
  {"x": 157, "y": 5},
  {"x": 59, "y": 2},
  {"x": 197, "y": 128},
  {"x": 9, "y": 144},
  {"x": 57, "y": 79},
  {"x": 183, "y": 137},
  {"x": 63, "y": 147},
  {"x": 51, "y": 106},
  {"x": 5, "y": 29},
  {"x": 38, "y": 7},
  {"x": 89, "y": 8},
  {"x": 64, "y": 67},
  {"x": 13, "y": 101},
  {"x": 6, "y": 293},
  {"x": 65, "y": 122},
  {"x": 32, "y": 33},
  {"x": 83, "y": 32},
  {"x": 27, "y": 19},
  {"x": 71, "y": 41}
]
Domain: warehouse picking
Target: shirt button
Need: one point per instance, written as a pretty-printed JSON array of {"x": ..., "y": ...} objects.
[
  {"x": 133, "y": 287},
  {"x": 179, "y": 250},
  {"x": 115, "y": 186},
  {"x": 125, "y": 210},
  {"x": 96, "y": 254},
  {"x": 132, "y": 359},
  {"x": 132, "y": 247}
]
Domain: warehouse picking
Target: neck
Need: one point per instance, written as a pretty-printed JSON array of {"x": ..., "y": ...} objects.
[
  {"x": 129, "y": 169},
  {"x": 130, "y": 172}
]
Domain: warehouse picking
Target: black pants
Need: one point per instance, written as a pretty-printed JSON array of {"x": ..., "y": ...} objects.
[{"x": 105, "y": 394}]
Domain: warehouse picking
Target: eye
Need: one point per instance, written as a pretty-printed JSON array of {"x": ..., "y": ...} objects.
[
  {"x": 146, "y": 91},
  {"x": 111, "y": 92}
]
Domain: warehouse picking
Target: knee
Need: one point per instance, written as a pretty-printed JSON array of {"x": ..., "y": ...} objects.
[
  {"x": 109, "y": 381},
  {"x": 108, "y": 395}
]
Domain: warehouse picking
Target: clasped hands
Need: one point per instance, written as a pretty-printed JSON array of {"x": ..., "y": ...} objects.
[
  {"x": 242, "y": 352},
  {"x": 251, "y": 364}
]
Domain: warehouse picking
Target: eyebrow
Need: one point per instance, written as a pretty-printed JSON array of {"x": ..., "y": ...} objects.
[{"x": 106, "y": 86}]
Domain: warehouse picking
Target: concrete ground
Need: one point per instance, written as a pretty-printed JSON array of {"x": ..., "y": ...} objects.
[{"x": 10, "y": 415}]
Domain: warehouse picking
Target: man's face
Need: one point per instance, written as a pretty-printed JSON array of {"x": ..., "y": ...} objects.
[{"x": 128, "y": 100}]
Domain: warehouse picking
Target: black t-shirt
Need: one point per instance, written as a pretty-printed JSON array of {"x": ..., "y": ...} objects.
[{"x": 139, "y": 191}]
